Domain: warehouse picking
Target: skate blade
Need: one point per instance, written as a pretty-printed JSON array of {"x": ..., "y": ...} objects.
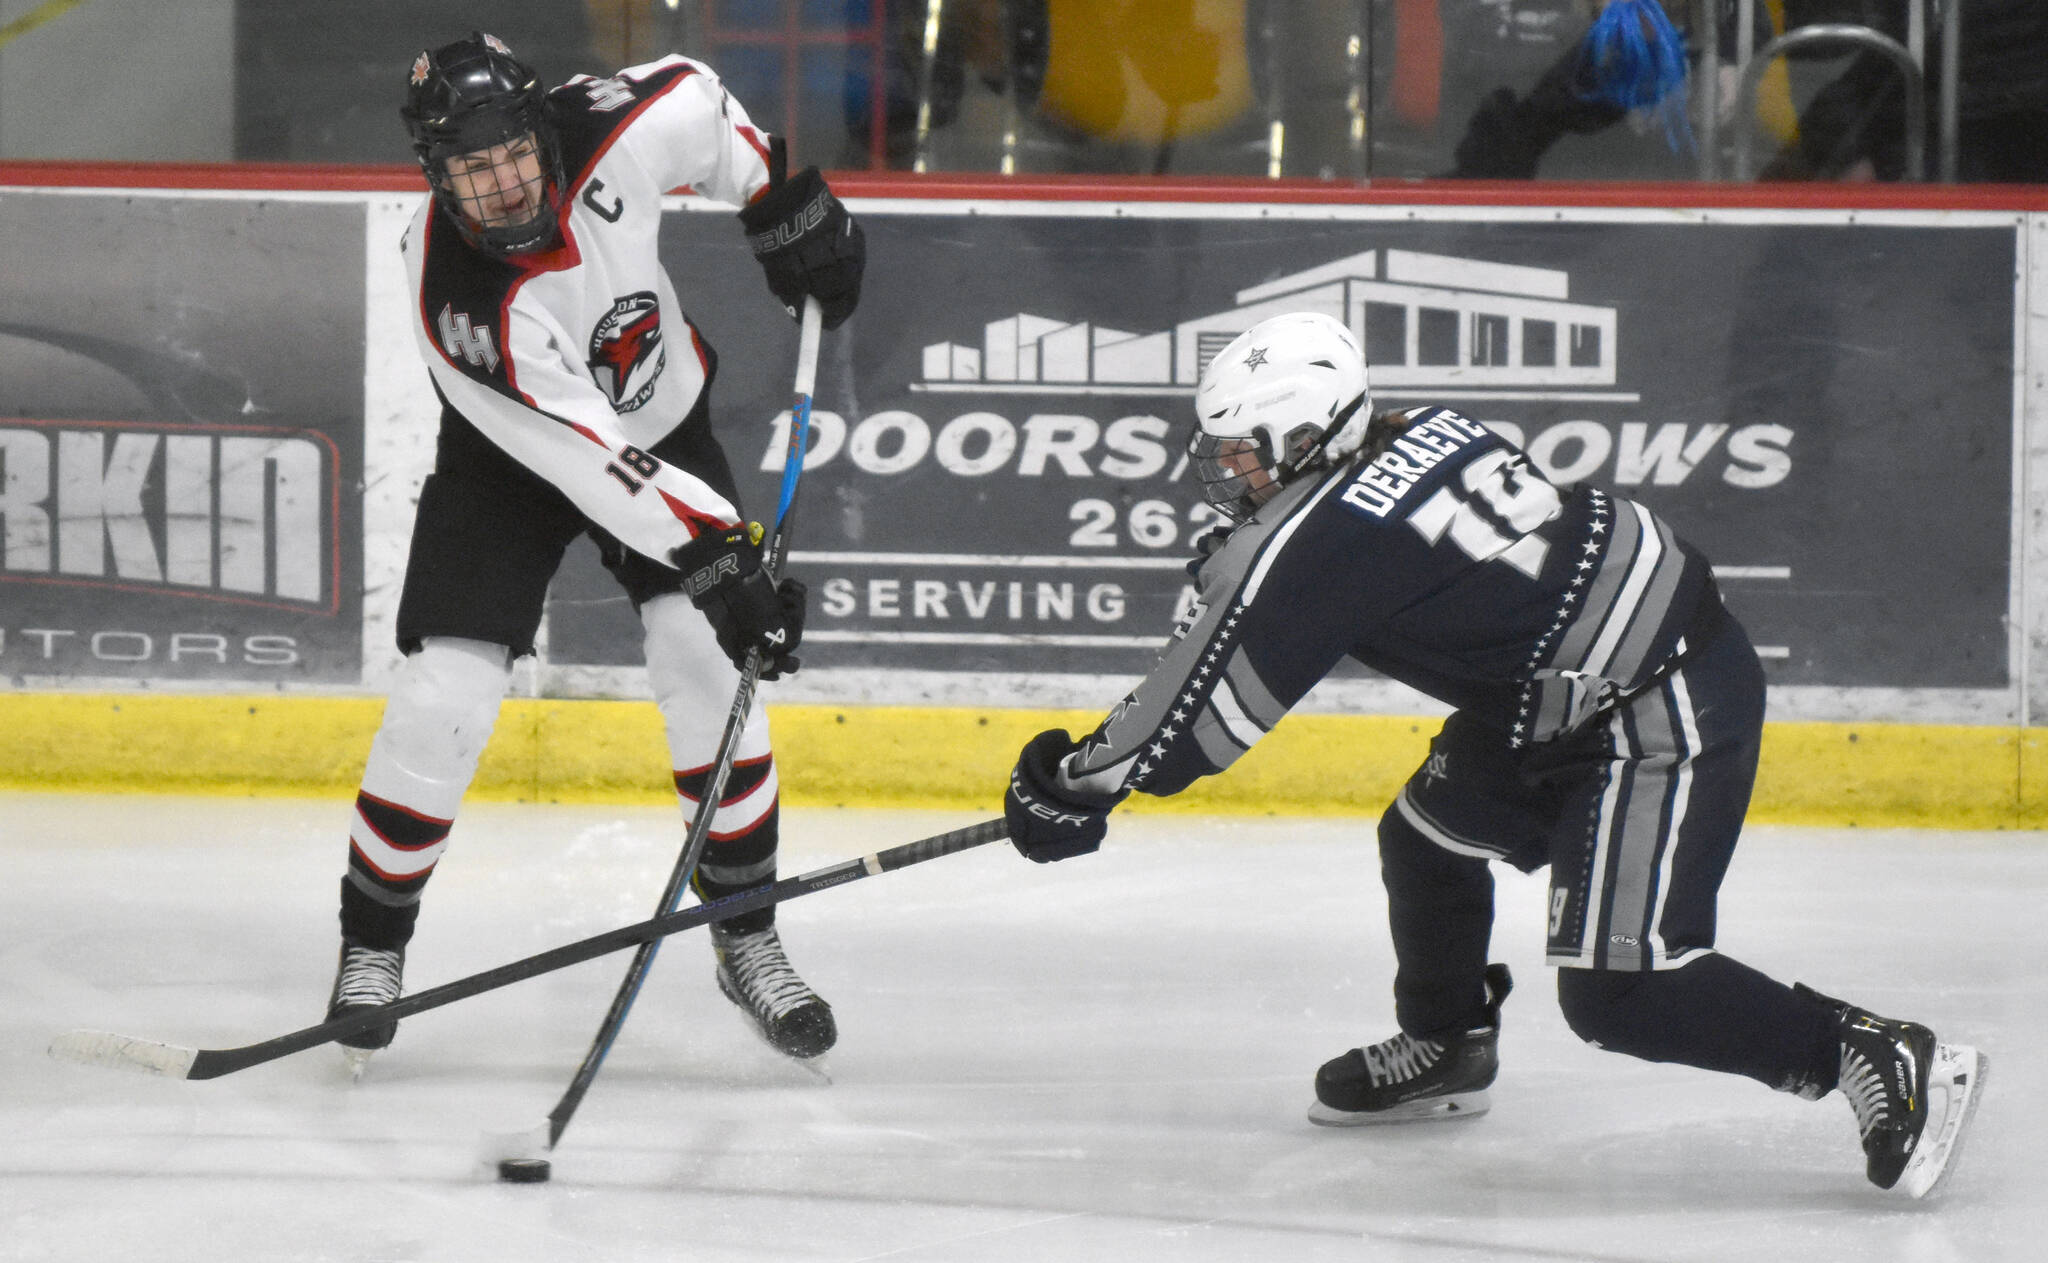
[
  {"x": 356, "y": 1061},
  {"x": 815, "y": 1066},
  {"x": 1434, "y": 1109},
  {"x": 1955, "y": 1083}
]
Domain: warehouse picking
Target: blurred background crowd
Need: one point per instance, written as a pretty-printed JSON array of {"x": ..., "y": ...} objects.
[{"x": 1344, "y": 90}]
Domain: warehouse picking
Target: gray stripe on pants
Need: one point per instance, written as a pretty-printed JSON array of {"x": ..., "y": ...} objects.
[{"x": 1641, "y": 838}]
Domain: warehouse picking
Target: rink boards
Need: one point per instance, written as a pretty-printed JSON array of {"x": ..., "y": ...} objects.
[{"x": 209, "y": 452}]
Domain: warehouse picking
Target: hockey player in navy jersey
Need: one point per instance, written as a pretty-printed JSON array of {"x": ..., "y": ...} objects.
[
  {"x": 1606, "y": 722},
  {"x": 575, "y": 399}
]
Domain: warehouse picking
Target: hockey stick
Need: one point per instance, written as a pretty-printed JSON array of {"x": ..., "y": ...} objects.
[
  {"x": 123, "y": 1052},
  {"x": 728, "y": 744}
]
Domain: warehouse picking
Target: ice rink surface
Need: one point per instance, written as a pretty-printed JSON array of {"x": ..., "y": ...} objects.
[{"x": 1107, "y": 1058}]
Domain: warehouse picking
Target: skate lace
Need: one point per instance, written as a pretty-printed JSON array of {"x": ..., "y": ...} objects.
[
  {"x": 369, "y": 975},
  {"x": 1401, "y": 1058},
  {"x": 1862, "y": 1083},
  {"x": 760, "y": 972}
]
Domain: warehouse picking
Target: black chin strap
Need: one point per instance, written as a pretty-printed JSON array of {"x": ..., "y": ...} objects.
[{"x": 1285, "y": 470}]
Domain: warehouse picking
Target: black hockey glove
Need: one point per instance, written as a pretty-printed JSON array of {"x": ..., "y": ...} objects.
[
  {"x": 808, "y": 245},
  {"x": 1048, "y": 822},
  {"x": 723, "y": 577},
  {"x": 1207, "y": 545}
]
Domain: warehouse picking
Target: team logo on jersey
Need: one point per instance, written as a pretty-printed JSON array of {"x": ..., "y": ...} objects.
[
  {"x": 626, "y": 351},
  {"x": 464, "y": 341}
]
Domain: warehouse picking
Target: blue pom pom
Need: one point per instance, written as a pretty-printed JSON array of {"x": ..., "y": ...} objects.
[{"x": 1633, "y": 59}]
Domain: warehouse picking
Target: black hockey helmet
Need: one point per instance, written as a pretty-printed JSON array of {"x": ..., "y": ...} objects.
[{"x": 466, "y": 97}]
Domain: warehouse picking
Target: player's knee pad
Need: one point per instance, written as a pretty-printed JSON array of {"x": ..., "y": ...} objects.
[
  {"x": 442, "y": 709},
  {"x": 693, "y": 684},
  {"x": 1663, "y": 1015},
  {"x": 1407, "y": 852},
  {"x": 1712, "y": 1012},
  {"x": 1598, "y": 1005}
]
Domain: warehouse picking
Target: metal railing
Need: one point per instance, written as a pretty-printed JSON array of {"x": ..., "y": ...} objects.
[{"x": 1909, "y": 58}]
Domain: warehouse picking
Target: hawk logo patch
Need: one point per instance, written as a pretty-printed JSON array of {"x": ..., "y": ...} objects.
[
  {"x": 627, "y": 352},
  {"x": 420, "y": 68}
]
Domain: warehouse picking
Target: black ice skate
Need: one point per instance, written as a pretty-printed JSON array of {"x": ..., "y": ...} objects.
[
  {"x": 365, "y": 978},
  {"x": 754, "y": 974},
  {"x": 1912, "y": 1094},
  {"x": 1405, "y": 1079}
]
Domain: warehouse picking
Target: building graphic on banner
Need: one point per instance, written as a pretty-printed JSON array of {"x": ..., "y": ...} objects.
[
  {"x": 1429, "y": 323},
  {"x": 1436, "y": 328}
]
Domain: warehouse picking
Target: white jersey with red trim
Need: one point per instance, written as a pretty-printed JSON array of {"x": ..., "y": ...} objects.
[{"x": 578, "y": 358}]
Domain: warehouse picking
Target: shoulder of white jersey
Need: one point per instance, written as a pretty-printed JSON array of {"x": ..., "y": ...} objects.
[{"x": 589, "y": 113}]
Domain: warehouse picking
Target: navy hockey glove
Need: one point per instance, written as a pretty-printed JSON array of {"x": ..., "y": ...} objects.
[
  {"x": 808, "y": 245},
  {"x": 722, "y": 576},
  {"x": 1047, "y": 821},
  {"x": 1207, "y": 545}
]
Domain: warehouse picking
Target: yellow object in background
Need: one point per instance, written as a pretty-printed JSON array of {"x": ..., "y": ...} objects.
[
  {"x": 1775, "y": 112},
  {"x": 1145, "y": 71}
]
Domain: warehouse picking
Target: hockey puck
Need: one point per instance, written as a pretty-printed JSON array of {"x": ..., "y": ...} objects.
[{"x": 525, "y": 1170}]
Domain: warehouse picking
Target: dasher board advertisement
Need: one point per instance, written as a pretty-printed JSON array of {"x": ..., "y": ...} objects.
[
  {"x": 1823, "y": 402},
  {"x": 181, "y": 419}
]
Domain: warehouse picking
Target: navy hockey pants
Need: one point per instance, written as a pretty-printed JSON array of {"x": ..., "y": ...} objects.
[{"x": 1636, "y": 814}]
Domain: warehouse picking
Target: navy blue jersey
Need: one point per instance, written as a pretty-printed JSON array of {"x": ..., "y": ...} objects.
[{"x": 1443, "y": 559}]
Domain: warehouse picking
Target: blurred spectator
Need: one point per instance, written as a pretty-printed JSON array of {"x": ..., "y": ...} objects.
[
  {"x": 977, "y": 38},
  {"x": 1629, "y": 60}
]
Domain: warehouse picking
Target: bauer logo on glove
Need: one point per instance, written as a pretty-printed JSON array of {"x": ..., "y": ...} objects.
[
  {"x": 1049, "y": 820},
  {"x": 748, "y": 610},
  {"x": 807, "y": 244}
]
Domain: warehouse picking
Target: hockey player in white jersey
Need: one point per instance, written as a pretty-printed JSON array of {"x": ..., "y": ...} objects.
[
  {"x": 1607, "y": 718},
  {"x": 575, "y": 400}
]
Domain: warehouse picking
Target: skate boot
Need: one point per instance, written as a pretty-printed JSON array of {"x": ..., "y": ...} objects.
[
  {"x": 365, "y": 978},
  {"x": 754, "y": 974},
  {"x": 1913, "y": 1095},
  {"x": 1405, "y": 1079}
]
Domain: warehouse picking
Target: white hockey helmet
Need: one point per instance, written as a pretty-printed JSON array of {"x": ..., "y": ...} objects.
[{"x": 1288, "y": 394}]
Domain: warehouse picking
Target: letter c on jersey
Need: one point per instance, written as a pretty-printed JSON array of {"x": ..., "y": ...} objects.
[{"x": 611, "y": 215}]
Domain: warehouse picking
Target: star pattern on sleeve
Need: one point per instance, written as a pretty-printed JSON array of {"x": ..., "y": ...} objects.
[{"x": 1192, "y": 697}]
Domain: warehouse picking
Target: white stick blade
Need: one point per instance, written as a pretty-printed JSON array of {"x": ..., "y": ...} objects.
[{"x": 122, "y": 1052}]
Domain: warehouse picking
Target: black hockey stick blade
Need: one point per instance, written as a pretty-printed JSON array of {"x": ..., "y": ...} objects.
[{"x": 147, "y": 1056}]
